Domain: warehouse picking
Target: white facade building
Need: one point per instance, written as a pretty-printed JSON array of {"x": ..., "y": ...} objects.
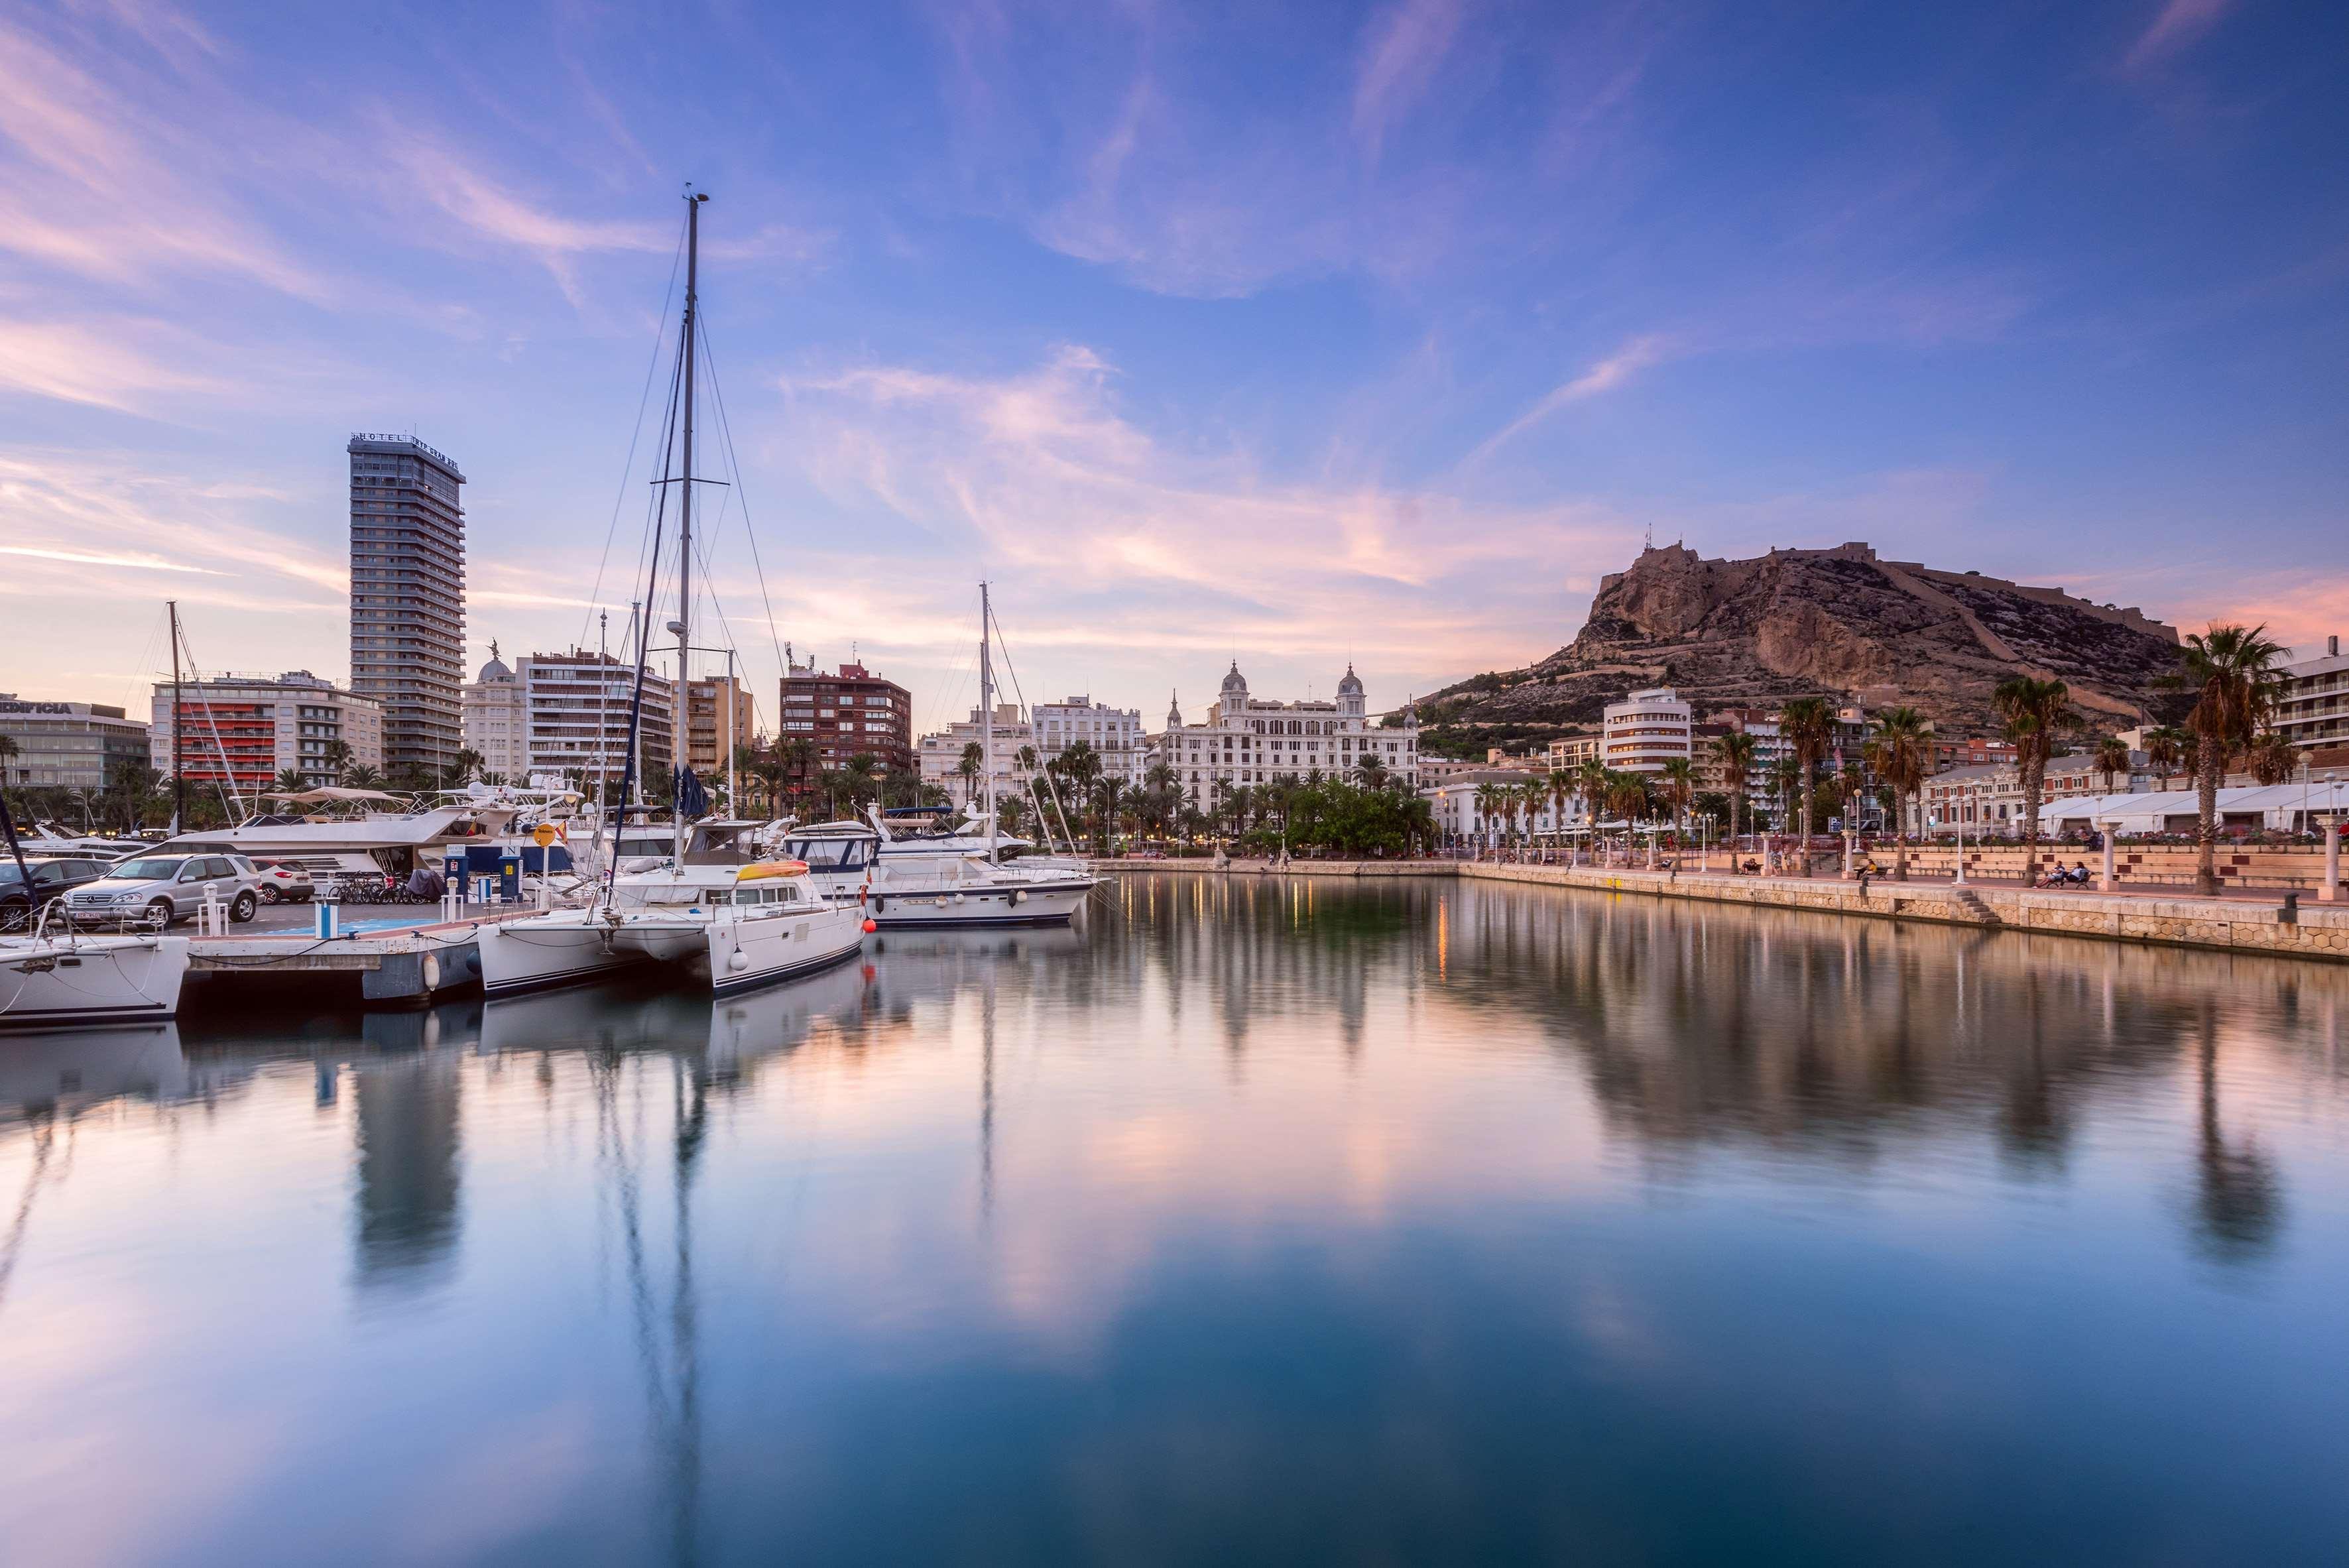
[
  {"x": 243, "y": 730},
  {"x": 497, "y": 720},
  {"x": 1251, "y": 740},
  {"x": 1460, "y": 819},
  {"x": 1645, "y": 730},
  {"x": 1114, "y": 732},
  {"x": 941, "y": 754},
  {"x": 575, "y": 711},
  {"x": 2312, "y": 708}
]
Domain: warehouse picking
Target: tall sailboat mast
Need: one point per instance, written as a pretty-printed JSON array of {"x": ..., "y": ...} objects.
[
  {"x": 986, "y": 721},
  {"x": 178, "y": 785},
  {"x": 682, "y": 701}
]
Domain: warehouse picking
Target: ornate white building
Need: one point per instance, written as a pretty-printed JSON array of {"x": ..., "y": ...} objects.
[
  {"x": 497, "y": 720},
  {"x": 1253, "y": 740},
  {"x": 1115, "y": 732}
]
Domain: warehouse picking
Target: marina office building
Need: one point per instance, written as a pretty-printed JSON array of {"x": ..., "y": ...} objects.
[
  {"x": 1247, "y": 740},
  {"x": 67, "y": 745},
  {"x": 407, "y": 597},
  {"x": 241, "y": 730}
]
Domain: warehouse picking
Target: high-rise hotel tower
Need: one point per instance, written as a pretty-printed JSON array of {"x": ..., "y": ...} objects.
[{"x": 407, "y": 599}]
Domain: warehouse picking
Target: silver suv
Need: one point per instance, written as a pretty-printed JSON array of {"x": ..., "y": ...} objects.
[{"x": 161, "y": 889}]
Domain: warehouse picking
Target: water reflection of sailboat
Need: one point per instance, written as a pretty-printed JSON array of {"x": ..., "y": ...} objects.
[{"x": 90, "y": 1064}]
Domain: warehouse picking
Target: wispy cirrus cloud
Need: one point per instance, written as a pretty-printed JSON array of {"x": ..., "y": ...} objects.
[
  {"x": 1403, "y": 48},
  {"x": 2178, "y": 24},
  {"x": 1042, "y": 476},
  {"x": 1603, "y": 376},
  {"x": 101, "y": 181}
]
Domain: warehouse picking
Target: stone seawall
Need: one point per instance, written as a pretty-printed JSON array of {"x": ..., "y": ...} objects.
[{"x": 2319, "y": 931}]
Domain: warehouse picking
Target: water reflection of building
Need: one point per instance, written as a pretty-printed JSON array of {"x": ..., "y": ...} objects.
[{"x": 407, "y": 1132}]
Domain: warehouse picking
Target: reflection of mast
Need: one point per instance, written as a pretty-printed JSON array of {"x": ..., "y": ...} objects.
[
  {"x": 987, "y": 1099},
  {"x": 672, "y": 1390},
  {"x": 45, "y": 1140}
]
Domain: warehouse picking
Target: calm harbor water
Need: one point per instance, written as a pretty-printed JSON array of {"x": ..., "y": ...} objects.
[{"x": 1277, "y": 1221}]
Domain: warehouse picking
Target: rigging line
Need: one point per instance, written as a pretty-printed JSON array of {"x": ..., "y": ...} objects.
[
  {"x": 734, "y": 466},
  {"x": 228, "y": 775},
  {"x": 661, "y": 335},
  {"x": 1050, "y": 787}
]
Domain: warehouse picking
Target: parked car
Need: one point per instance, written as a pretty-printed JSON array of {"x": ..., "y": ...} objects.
[
  {"x": 161, "y": 889},
  {"x": 282, "y": 881},
  {"x": 53, "y": 876}
]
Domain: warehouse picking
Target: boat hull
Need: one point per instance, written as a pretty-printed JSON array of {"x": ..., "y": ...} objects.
[
  {"x": 92, "y": 980},
  {"x": 769, "y": 949},
  {"x": 541, "y": 953},
  {"x": 1044, "y": 905}
]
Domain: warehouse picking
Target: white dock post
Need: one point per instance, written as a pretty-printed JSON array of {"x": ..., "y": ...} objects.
[
  {"x": 2332, "y": 890},
  {"x": 2105, "y": 883}
]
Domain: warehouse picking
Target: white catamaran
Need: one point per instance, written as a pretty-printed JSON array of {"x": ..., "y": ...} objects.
[{"x": 749, "y": 924}]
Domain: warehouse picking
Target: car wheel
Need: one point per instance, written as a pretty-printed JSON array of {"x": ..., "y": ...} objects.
[
  {"x": 14, "y": 916},
  {"x": 269, "y": 894},
  {"x": 242, "y": 908},
  {"x": 160, "y": 913}
]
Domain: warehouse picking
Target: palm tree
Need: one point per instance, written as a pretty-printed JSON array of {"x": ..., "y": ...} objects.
[
  {"x": 1592, "y": 778},
  {"x": 1808, "y": 724},
  {"x": 334, "y": 757},
  {"x": 359, "y": 776},
  {"x": 467, "y": 762},
  {"x": 289, "y": 780},
  {"x": 2031, "y": 708},
  {"x": 2112, "y": 759},
  {"x": 973, "y": 759},
  {"x": 1561, "y": 791},
  {"x": 1734, "y": 752},
  {"x": 2273, "y": 757},
  {"x": 2165, "y": 749},
  {"x": 1899, "y": 751},
  {"x": 1678, "y": 788},
  {"x": 1488, "y": 802},
  {"x": 2232, "y": 670}
]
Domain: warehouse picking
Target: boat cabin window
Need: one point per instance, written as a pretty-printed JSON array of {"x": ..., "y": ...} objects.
[{"x": 827, "y": 855}]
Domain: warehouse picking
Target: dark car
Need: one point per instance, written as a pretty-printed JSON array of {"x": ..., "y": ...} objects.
[{"x": 53, "y": 876}]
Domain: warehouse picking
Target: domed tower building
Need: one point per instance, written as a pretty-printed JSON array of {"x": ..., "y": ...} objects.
[
  {"x": 496, "y": 720},
  {"x": 1251, "y": 740}
]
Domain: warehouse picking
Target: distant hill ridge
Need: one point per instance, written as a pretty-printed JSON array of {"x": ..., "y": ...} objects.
[{"x": 1841, "y": 622}]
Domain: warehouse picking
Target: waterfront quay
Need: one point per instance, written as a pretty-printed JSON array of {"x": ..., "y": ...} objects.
[{"x": 2239, "y": 922}]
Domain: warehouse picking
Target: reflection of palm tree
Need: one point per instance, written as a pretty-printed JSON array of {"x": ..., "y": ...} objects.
[{"x": 2242, "y": 1202}]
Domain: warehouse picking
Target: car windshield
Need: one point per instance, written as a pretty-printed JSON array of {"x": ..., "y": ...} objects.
[
  {"x": 9, "y": 874},
  {"x": 148, "y": 868}
]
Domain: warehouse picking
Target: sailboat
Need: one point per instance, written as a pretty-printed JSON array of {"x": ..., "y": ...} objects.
[
  {"x": 960, "y": 879},
  {"x": 747, "y": 925}
]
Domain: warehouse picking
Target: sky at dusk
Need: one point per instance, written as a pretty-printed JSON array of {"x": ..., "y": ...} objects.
[{"x": 1284, "y": 332}]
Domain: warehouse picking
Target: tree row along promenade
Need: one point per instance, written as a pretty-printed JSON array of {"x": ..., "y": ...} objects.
[{"x": 2266, "y": 924}]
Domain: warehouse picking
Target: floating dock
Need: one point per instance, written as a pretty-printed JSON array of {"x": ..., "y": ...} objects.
[{"x": 398, "y": 963}]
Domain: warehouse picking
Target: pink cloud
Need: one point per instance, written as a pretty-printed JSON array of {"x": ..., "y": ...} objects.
[
  {"x": 1605, "y": 375},
  {"x": 1403, "y": 48}
]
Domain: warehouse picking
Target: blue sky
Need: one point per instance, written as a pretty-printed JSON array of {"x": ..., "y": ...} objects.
[{"x": 1295, "y": 333}]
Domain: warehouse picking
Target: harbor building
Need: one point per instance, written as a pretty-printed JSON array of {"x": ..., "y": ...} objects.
[
  {"x": 1645, "y": 730},
  {"x": 67, "y": 745},
  {"x": 846, "y": 713},
  {"x": 241, "y": 730},
  {"x": 497, "y": 720},
  {"x": 942, "y": 755},
  {"x": 1114, "y": 733},
  {"x": 714, "y": 706},
  {"x": 575, "y": 707},
  {"x": 1249, "y": 740},
  {"x": 1988, "y": 800},
  {"x": 408, "y": 598}
]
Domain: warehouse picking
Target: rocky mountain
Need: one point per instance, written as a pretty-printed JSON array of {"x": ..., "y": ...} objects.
[{"x": 1838, "y": 623}]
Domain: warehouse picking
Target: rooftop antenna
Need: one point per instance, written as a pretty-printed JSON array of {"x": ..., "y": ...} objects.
[{"x": 1651, "y": 536}]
